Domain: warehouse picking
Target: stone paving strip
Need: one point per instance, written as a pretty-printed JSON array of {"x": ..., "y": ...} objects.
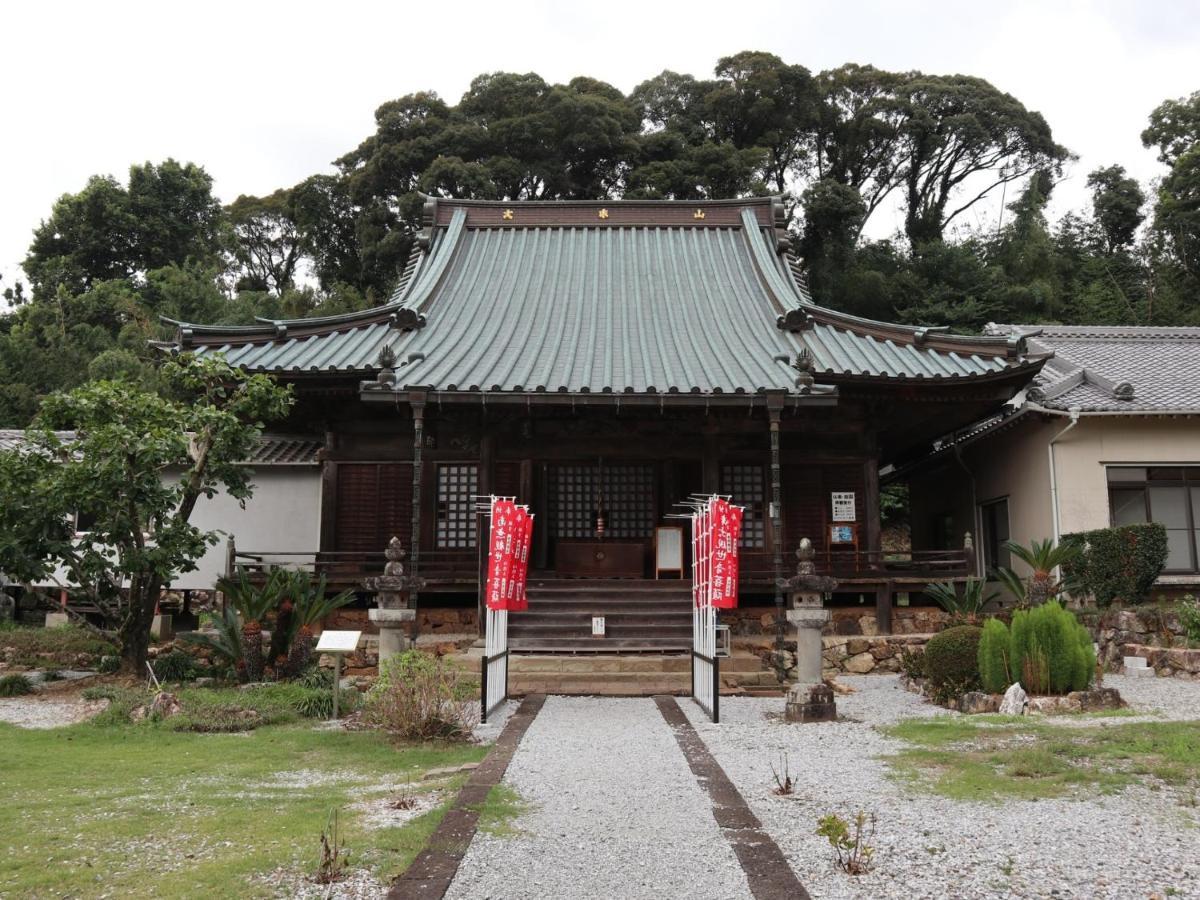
[
  {"x": 613, "y": 810},
  {"x": 434, "y": 868},
  {"x": 770, "y": 876}
]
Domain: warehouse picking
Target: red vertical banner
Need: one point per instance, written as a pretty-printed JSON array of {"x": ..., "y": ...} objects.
[
  {"x": 524, "y": 536},
  {"x": 500, "y": 546},
  {"x": 726, "y": 532}
]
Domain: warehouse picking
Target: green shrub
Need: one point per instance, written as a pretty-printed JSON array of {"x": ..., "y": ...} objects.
[
  {"x": 952, "y": 658},
  {"x": 994, "y": 652},
  {"x": 1189, "y": 618},
  {"x": 1051, "y": 652},
  {"x": 108, "y": 665},
  {"x": 1118, "y": 563},
  {"x": 177, "y": 665},
  {"x": 912, "y": 662},
  {"x": 15, "y": 686},
  {"x": 420, "y": 697}
]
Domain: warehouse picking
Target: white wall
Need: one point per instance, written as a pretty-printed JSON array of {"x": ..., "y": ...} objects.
[{"x": 283, "y": 515}]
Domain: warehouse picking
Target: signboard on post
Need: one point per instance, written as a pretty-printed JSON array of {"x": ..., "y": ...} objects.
[
  {"x": 338, "y": 644},
  {"x": 844, "y": 507}
]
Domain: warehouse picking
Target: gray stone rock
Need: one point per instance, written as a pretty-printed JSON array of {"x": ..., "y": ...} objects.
[
  {"x": 1015, "y": 701},
  {"x": 977, "y": 702}
]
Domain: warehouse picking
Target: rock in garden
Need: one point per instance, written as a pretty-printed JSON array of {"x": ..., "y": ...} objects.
[
  {"x": 859, "y": 664},
  {"x": 164, "y": 705},
  {"x": 1015, "y": 701},
  {"x": 976, "y": 702}
]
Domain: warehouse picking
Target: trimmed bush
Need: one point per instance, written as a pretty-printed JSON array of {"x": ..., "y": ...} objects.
[
  {"x": 1118, "y": 563},
  {"x": 952, "y": 658},
  {"x": 994, "y": 657},
  {"x": 1051, "y": 652}
]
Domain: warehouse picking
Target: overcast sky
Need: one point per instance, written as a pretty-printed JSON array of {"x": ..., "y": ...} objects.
[{"x": 265, "y": 94}]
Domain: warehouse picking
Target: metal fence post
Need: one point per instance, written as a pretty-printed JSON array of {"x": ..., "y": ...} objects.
[
  {"x": 716, "y": 689},
  {"x": 483, "y": 693}
]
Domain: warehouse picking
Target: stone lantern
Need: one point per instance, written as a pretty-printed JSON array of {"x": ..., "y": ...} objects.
[
  {"x": 810, "y": 699},
  {"x": 391, "y": 594}
]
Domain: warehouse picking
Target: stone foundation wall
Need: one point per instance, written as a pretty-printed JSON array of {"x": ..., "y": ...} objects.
[
  {"x": 1150, "y": 631},
  {"x": 1177, "y": 662},
  {"x": 749, "y": 621},
  {"x": 841, "y": 654},
  {"x": 430, "y": 620}
]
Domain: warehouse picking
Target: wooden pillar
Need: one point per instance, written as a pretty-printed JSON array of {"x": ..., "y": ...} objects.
[
  {"x": 883, "y": 606},
  {"x": 416, "y": 401},
  {"x": 774, "y": 409},
  {"x": 329, "y": 472},
  {"x": 487, "y": 481},
  {"x": 871, "y": 498},
  {"x": 710, "y": 464}
]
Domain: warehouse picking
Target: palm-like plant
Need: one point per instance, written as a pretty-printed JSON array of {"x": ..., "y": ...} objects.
[
  {"x": 965, "y": 608},
  {"x": 253, "y": 602},
  {"x": 310, "y": 606},
  {"x": 225, "y": 642},
  {"x": 1043, "y": 558}
]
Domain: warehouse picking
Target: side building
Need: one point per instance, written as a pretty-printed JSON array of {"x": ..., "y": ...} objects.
[{"x": 1106, "y": 435}]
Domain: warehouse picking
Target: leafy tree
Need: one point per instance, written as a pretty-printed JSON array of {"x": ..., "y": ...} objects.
[
  {"x": 1177, "y": 214},
  {"x": 107, "y": 231},
  {"x": 268, "y": 244},
  {"x": 1174, "y": 128},
  {"x": 1117, "y": 202},
  {"x": 137, "y": 466},
  {"x": 856, "y": 139},
  {"x": 960, "y": 139},
  {"x": 758, "y": 101}
]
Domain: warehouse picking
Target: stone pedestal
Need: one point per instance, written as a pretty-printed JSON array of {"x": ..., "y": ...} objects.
[
  {"x": 809, "y": 699},
  {"x": 391, "y": 622},
  {"x": 391, "y": 593}
]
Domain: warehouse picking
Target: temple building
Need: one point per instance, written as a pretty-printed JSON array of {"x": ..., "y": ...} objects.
[{"x": 602, "y": 362}]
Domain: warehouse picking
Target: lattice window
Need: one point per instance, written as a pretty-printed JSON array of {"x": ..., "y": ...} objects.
[
  {"x": 746, "y": 486},
  {"x": 457, "y": 485},
  {"x": 626, "y": 492}
]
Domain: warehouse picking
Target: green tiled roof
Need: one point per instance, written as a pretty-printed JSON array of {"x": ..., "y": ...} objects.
[{"x": 631, "y": 297}]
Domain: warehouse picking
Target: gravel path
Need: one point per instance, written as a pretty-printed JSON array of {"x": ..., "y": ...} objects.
[
  {"x": 614, "y": 811},
  {"x": 1139, "y": 843},
  {"x": 43, "y": 712}
]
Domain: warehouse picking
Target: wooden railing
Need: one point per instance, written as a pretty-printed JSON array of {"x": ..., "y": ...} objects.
[
  {"x": 934, "y": 565},
  {"x": 348, "y": 569}
]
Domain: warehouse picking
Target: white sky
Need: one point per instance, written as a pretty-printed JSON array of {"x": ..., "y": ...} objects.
[{"x": 264, "y": 94}]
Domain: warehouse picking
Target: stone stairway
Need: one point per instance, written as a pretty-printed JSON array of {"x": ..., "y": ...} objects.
[{"x": 641, "y": 616}]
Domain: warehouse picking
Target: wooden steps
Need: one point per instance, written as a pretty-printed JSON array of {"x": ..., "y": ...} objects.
[{"x": 641, "y": 616}]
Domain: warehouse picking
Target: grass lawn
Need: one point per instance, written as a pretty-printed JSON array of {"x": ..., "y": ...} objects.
[
  {"x": 142, "y": 810},
  {"x": 997, "y": 758}
]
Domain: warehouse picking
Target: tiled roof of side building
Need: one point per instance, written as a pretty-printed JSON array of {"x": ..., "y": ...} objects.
[
  {"x": 1114, "y": 369},
  {"x": 272, "y": 449},
  {"x": 622, "y": 297}
]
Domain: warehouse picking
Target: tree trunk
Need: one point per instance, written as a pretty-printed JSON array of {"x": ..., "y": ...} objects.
[{"x": 135, "y": 630}]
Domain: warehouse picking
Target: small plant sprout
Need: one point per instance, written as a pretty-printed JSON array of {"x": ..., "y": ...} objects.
[
  {"x": 851, "y": 843},
  {"x": 334, "y": 857},
  {"x": 783, "y": 777}
]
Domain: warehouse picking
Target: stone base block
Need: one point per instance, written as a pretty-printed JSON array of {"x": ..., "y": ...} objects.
[
  {"x": 810, "y": 703},
  {"x": 163, "y": 627},
  {"x": 1142, "y": 671},
  {"x": 391, "y": 616},
  {"x": 54, "y": 620}
]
